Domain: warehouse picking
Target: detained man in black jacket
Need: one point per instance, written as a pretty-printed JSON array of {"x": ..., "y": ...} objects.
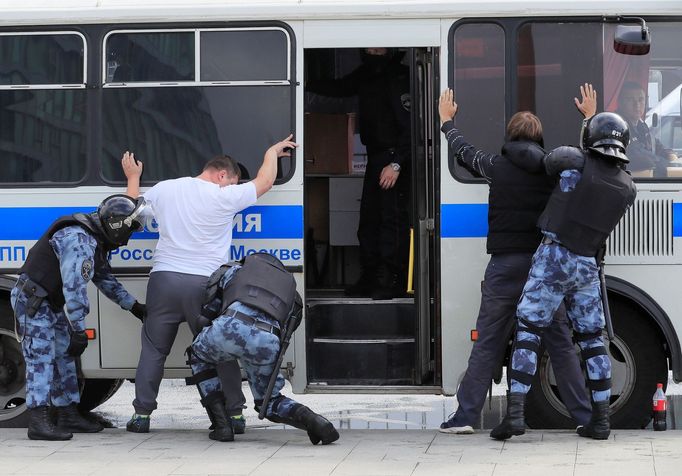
[
  {"x": 519, "y": 191},
  {"x": 382, "y": 85}
]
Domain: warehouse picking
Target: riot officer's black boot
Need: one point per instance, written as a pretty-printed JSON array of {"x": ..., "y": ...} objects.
[
  {"x": 389, "y": 285},
  {"x": 40, "y": 427},
  {"x": 599, "y": 427},
  {"x": 513, "y": 423},
  {"x": 68, "y": 419},
  {"x": 221, "y": 421},
  {"x": 319, "y": 429}
]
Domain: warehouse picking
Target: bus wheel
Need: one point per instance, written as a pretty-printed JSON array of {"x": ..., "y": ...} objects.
[
  {"x": 634, "y": 375},
  {"x": 13, "y": 412},
  {"x": 97, "y": 391}
]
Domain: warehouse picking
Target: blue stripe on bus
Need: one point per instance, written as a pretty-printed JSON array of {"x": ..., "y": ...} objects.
[
  {"x": 464, "y": 220},
  {"x": 257, "y": 222},
  {"x": 470, "y": 220},
  {"x": 677, "y": 219}
]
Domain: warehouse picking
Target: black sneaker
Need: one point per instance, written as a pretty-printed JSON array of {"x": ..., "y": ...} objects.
[
  {"x": 238, "y": 424},
  {"x": 138, "y": 423}
]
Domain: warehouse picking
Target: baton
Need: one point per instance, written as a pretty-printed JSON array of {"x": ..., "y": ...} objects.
[{"x": 291, "y": 326}]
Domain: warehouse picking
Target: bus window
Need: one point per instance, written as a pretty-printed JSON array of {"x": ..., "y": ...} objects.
[
  {"x": 42, "y": 107},
  {"x": 645, "y": 91},
  {"x": 244, "y": 55},
  {"x": 479, "y": 84},
  {"x": 150, "y": 57},
  {"x": 549, "y": 74},
  {"x": 241, "y": 103}
]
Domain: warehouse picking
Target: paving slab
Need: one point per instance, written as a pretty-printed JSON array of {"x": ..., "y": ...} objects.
[{"x": 283, "y": 452}]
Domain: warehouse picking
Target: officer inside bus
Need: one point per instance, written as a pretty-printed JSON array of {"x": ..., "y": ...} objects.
[
  {"x": 247, "y": 308},
  {"x": 50, "y": 302},
  {"x": 382, "y": 85},
  {"x": 519, "y": 190},
  {"x": 645, "y": 153},
  {"x": 593, "y": 194}
]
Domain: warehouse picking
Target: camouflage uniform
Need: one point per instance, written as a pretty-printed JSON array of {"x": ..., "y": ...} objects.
[
  {"x": 557, "y": 275},
  {"x": 51, "y": 378},
  {"x": 228, "y": 339}
]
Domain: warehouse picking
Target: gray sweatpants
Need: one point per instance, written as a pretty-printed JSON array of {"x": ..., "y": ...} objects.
[{"x": 171, "y": 299}]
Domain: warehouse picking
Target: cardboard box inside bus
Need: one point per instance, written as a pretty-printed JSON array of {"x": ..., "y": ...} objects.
[{"x": 329, "y": 143}]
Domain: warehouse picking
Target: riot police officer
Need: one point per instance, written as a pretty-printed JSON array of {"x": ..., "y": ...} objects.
[
  {"x": 247, "y": 308},
  {"x": 50, "y": 304},
  {"x": 593, "y": 194}
]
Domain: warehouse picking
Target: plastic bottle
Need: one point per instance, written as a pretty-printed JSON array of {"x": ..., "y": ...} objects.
[{"x": 660, "y": 405}]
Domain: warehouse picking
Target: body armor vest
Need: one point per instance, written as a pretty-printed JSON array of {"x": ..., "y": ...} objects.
[
  {"x": 42, "y": 265},
  {"x": 584, "y": 218},
  {"x": 262, "y": 284}
]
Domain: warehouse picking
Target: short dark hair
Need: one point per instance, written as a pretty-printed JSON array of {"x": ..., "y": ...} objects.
[
  {"x": 226, "y": 163},
  {"x": 629, "y": 86},
  {"x": 524, "y": 125}
]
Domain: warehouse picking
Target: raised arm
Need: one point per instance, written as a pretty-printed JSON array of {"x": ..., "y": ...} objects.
[
  {"x": 133, "y": 171},
  {"x": 478, "y": 162},
  {"x": 268, "y": 171},
  {"x": 588, "y": 105}
]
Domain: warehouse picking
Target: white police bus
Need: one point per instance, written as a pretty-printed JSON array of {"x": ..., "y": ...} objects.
[{"x": 178, "y": 82}]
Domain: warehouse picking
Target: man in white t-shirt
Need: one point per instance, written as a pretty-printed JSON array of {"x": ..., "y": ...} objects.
[{"x": 194, "y": 216}]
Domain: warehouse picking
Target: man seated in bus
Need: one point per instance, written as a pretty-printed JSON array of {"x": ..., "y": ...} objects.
[
  {"x": 519, "y": 190},
  {"x": 648, "y": 157},
  {"x": 50, "y": 302},
  {"x": 195, "y": 216}
]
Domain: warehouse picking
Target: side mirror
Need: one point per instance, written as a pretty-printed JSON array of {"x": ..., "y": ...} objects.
[{"x": 632, "y": 39}]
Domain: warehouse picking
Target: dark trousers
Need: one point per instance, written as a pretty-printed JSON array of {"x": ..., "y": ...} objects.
[
  {"x": 504, "y": 279},
  {"x": 173, "y": 298},
  {"x": 384, "y": 228}
]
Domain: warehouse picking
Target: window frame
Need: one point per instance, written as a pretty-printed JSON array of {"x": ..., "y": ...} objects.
[
  {"x": 197, "y": 59},
  {"x": 511, "y": 27},
  {"x": 290, "y": 82},
  {"x": 81, "y": 85}
]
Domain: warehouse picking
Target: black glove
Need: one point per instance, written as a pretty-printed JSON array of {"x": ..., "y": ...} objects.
[
  {"x": 139, "y": 310},
  {"x": 79, "y": 341}
]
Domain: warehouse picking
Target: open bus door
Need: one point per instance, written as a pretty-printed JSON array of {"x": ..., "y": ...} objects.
[
  {"x": 354, "y": 342},
  {"x": 423, "y": 86}
]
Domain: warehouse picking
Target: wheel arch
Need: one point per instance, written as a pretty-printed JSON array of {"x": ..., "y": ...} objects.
[{"x": 657, "y": 315}]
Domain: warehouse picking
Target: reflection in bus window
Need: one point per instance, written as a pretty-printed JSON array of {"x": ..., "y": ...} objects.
[
  {"x": 42, "y": 125},
  {"x": 155, "y": 106},
  {"x": 244, "y": 55},
  {"x": 645, "y": 90},
  {"x": 549, "y": 73},
  {"x": 150, "y": 57},
  {"x": 479, "y": 83},
  {"x": 174, "y": 131},
  {"x": 41, "y": 59}
]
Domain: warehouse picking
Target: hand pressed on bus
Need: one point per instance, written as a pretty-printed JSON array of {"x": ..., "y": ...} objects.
[
  {"x": 588, "y": 105},
  {"x": 447, "y": 107},
  {"x": 133, "y": 171}
]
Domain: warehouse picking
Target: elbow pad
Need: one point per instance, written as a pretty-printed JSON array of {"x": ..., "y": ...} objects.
[{"x": 564, "y": 158}]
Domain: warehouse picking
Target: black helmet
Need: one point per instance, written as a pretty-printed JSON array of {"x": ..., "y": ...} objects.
[
  {"x": 607, "y": 134},
  {"x": 120, "y": 217}
]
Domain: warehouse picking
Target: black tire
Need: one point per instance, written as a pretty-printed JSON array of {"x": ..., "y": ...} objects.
[
  {"x": 13, "y": 411},
  {"x": 634, "y": 375},
  {"x": 97, "y": 391}
]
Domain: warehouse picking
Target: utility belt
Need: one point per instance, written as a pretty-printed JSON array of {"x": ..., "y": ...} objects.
[
  {"x": 34, "y": 292},
  {"x": 252, "y": 321}
]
